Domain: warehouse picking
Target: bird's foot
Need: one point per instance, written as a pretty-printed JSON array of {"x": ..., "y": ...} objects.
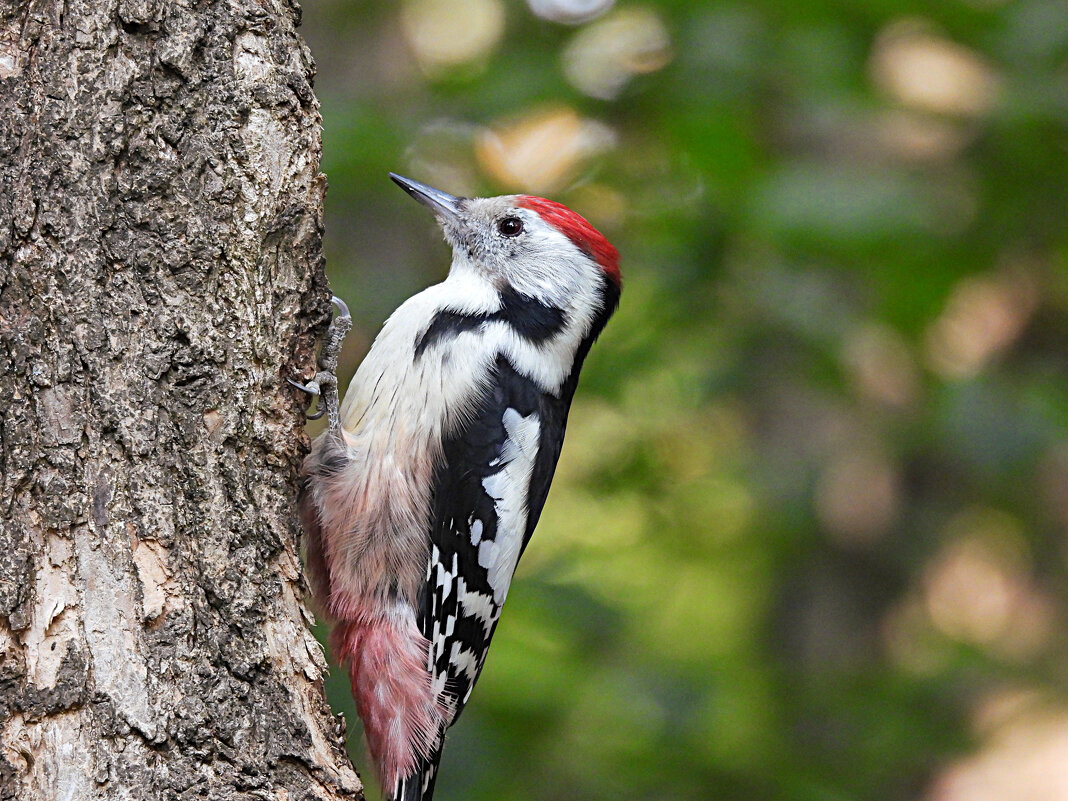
[
  {"x": 324, "y": 384},
  {"x": 314, "y": 387},
  {"x": 335, "y": 335}
]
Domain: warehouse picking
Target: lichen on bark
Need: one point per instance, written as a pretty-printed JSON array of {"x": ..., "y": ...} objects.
[{"x": 160, "y": 276}]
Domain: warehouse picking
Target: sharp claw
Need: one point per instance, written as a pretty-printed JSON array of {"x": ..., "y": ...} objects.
[
  {"x": 339, "y": 304},
  {"x": 311, "y": 388}
]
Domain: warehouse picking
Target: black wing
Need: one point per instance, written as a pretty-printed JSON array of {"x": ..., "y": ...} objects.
[
  {"x": 488, "y": 494},
  {"x": 478, "y": 489},
  {"x": 489, "y": 491}
]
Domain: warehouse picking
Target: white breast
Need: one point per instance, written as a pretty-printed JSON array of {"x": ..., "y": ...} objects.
[{"x": 393, "y": 420}]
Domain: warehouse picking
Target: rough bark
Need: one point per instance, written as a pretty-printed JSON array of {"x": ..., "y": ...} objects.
[{"x": 160, "y": 276}]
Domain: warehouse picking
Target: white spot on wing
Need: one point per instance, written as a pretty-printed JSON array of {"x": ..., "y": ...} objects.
[
  {"x": 476, "y": 532},
  {"x": 487, "y": 554}
]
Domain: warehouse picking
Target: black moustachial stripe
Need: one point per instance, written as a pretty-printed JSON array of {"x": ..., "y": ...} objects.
[
  {"x": 447, "y": 324},
  {"x": 531, "y": 318}
]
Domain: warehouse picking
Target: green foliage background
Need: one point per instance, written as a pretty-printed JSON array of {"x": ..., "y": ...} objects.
[{"x": 809, "y": 525}]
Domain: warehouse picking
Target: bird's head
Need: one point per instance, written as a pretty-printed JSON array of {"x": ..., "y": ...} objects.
[{"x": 534, "y": 246}]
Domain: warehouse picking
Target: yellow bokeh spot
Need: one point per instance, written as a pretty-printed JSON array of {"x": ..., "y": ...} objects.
[
  {"x": 925, "y": 71},
  {"x": 541, "y": 151},
  {"x": 603, "y": 57},
  {"x": 447, "y": 33}
]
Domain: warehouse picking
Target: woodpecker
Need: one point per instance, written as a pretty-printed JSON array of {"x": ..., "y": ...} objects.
[{"x": 424, "y": 490}]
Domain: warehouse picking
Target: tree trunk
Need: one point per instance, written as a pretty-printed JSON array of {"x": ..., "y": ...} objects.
[{"x": 160, "y": 277}]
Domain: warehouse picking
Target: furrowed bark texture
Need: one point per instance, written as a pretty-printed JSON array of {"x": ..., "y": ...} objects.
[{"x": 160, "y": 261}]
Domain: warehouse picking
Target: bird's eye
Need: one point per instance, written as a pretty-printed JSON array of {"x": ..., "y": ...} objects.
[{"x": 510, "y": 226}]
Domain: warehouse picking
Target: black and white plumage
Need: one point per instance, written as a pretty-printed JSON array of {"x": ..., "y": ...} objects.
[{"x": 419, "y": 506}]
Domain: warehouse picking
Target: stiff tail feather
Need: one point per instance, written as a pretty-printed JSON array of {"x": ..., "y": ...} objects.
[
  {"x": 419, "y": 786},
  {"x": 404, "y": 720}
]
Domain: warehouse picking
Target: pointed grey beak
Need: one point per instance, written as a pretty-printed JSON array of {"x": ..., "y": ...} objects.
[{"x": 441, "y": 203}]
